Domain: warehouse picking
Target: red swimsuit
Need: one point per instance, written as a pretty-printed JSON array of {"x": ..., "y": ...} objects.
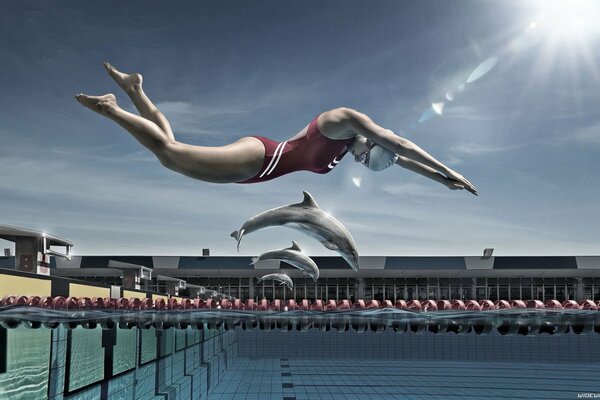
[{"x": 312, "y": 152}]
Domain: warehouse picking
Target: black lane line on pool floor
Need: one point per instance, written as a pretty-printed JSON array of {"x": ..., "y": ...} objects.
[{"x": 286, "y": 379}]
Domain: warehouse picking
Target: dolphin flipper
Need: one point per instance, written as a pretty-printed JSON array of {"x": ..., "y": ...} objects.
[
  {"x": 330, "y": 245},
  {"x": 254, "y": 260}
]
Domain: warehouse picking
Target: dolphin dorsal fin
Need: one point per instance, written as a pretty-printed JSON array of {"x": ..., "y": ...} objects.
[
  {"x": 295, "y": 246},
  {"x": 309, "y": 201}
]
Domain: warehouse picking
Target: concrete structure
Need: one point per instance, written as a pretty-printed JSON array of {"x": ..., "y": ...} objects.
[
  {"x": 33, "y": 248},
  {"x": 393, "y": 278}
]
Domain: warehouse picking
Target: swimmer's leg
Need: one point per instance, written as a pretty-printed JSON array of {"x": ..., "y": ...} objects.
[
  {"x": 235, "y": 162},
  {"x": 145, "y": 131},
  {"x": 132, "y": 85}
]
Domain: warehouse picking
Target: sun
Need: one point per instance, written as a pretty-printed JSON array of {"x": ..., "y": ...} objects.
[{"x": 569, "y": 18}]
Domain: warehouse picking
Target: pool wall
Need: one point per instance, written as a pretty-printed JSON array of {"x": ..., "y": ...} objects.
[{"x": 115, "y": 364}]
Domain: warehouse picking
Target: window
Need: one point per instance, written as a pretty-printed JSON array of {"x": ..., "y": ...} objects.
[
  {"x": 310, "y": 290},
  {"x": 503, "y": 288},
  {"x": 492, "y": 284}
]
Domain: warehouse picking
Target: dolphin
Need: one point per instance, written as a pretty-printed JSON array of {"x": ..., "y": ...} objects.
[
  {"x": 279, "y": 277},
  {"x": 306, "y": 217},
  {"x": 293, "y": 256}
]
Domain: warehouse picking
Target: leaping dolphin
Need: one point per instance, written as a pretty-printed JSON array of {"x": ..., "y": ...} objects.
[
  {"x": 293, "y": 256},
  {"x": 306, "y": 217},
  {"x": 279, "y": 277}
]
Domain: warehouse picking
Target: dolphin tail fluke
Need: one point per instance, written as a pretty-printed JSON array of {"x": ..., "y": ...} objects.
[
  {"x": 238, "y": 235},
  {"x": 254, "y": 260}
]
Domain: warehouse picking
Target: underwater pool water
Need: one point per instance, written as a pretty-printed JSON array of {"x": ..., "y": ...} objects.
[{"x": 299, "y": 354}]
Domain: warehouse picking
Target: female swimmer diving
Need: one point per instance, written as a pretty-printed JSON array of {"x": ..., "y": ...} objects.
[{"x": 318, "y": 147}]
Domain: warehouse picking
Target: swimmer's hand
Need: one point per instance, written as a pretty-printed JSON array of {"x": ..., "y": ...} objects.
[{"x": 458, "y": 184}]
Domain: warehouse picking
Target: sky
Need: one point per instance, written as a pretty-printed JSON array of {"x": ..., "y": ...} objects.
[{"x": 506, "y": 93}]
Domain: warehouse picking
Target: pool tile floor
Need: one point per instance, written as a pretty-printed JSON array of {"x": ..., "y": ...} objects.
[{"x": 344, "y": 379}]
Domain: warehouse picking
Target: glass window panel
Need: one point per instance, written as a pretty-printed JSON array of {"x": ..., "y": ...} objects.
[
  {"x": 526, "y": 292},
  {"x": 311, "y": 292},
  {"x": 561, "y": 294},
  {"x": 548, "y": 292},
  {"x": 570, "y": 292},
  {"x": 492, "y": 292},
  {"x": 268, "y": 292},
  {"x": 378, "y": 292},
  {"x": 343, "y": 292},
  {"x": 538, "y": 293},
  {"x": 400, "y": 295},
  {"x": 422, "y": 292},
  {"x": 352, "y": 293},
  {"x": 455, "y": 293},
  {"x": 480, "y": 293},
  {"x": 466, "y": 293},
  {"x": 332, "y": 292},
  {"x": 389, "y": 292},
  {"x": 278, "y": 292},
  {"x": 444, "y": 292},
  {"x": 368, "y": 292}
]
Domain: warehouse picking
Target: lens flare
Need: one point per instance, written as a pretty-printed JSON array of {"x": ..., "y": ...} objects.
[
  {"x": 438, "y": 108},
  {"x": 482, "y": 69}
]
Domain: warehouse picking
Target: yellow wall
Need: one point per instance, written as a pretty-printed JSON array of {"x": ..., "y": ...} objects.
[
  {"x": 21, "y": 286},
  {"x": 128, "y": 294},
  {"x": 78, "y": 290},
  {"x": 158, "y": 296}
]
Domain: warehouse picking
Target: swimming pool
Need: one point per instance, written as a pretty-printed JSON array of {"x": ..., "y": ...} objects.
[{"x": 383, "y": 353}]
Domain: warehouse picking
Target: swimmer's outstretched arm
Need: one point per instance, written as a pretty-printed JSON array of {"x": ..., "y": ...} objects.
[
  {"x": 345, "y": 119},
  {"x": 429, "y": 173}
]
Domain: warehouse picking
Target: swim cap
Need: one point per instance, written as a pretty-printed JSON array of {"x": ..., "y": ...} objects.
[{"x": 378, "y": 158}]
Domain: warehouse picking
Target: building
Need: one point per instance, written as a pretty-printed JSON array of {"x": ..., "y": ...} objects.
[{"x": 393, "y": 278}]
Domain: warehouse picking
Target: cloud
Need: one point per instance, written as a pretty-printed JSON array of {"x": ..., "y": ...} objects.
[
  {"x": 478, "y": 149},
  {"x": 472, "y": 113},
  {"x": 193, "y": 118},
  {"x": 414, "y": 189},
  {"x": 589, "y": 134}
]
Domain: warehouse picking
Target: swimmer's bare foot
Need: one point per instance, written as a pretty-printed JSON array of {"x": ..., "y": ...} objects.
[
  {"x": 128, "y": 82},
  {"x": 104, "y": 105}
]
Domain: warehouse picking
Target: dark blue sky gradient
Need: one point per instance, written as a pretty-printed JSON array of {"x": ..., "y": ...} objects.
[{"x": 526, "y": 133}]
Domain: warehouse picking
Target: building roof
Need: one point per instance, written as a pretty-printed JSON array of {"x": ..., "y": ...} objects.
[{"x": 12, "y": 233}]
